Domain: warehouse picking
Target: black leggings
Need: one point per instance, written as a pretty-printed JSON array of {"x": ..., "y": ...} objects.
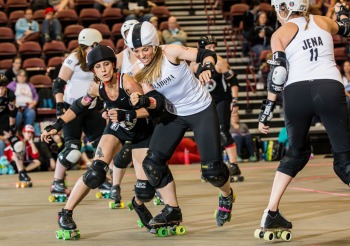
[
  {"x": 224, "y": 114},
  {"x": 325, "y": 98},
  {"x": 205, "y": 125}
]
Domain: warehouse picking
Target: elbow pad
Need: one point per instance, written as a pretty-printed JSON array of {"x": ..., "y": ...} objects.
[
  {"x": 78, "y": 108},
  {"x": 203, "y": 53},
  {"x": 58, "y": 86},
  {"x": 344, "y": 27},
  {"x": 231, "y": 78},
  {"x": 278, "y": 72}
]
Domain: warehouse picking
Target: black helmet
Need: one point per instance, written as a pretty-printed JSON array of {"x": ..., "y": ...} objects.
[
  {"x": 205, "y": 40},
  {"x": 100, "y": 53},
  {"x": 3, "y": 80}
]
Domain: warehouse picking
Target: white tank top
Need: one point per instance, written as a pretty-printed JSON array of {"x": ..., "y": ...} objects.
[
  {"x": 184, "y": 93},
  {"x": 127, "y": 66},
  {"x": 311, "y": 54},
  {"x": 78, "y": 85}
]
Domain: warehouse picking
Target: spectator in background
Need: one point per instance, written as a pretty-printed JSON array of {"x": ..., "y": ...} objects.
[
  {"x": 315, "y": 7},
  {"x": 328, "y": 7},
  {"x": 101, "y": 5},
  {"x": 26, "y": 26},
  {"x": 154, "y": 21},
  {"x": 346, "y": 81},
  {"x": 174, "y": 35},
  {"x": 12, "y": 72},
  {"x": 26, "y": 98},
  {"x": 136, "y": 10},
  {"x": 260, "y": 35},
  {"x": 51, "y": 28},
  {"x": 59, "y": 5},
  {"x": 248, "y": 20},
  {"x": 242, "y": 137}
]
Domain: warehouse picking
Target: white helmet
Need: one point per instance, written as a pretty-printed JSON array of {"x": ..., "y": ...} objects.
[
  {"x": 89, "y": 36},
  {"x": 126, "y": 27},
  {"x": 290, "y": 6},
  {"x": 142, "y": 34}
]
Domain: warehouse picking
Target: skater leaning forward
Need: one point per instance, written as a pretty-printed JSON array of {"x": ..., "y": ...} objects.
[
  {"x": 303, "y": 67},
  {"x": 188, "y": 105},
  {"x": 125, "y": 124}
]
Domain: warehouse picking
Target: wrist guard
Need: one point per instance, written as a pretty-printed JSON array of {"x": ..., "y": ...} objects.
[
  {"x": 144, "y": 102},
  {"x": 57, "y": 125},
  {"x": 266, "y": 113},
  {"x": 126, "y": 115},
  {"x": 59, "y": 109},
  {"x": 234, "y": 102},
  {"x": 207, "y": 66}
]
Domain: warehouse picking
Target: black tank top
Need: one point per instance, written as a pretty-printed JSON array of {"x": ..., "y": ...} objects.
[{"x": 218, "y": 88}]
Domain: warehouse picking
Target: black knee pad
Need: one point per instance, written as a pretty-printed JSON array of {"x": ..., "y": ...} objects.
[
  {"x": 156, "y": 169},
  {"x": 294, "y": 161},
  {"x": 96, "y": 174},
  {"x": 216, "y": 172},
  {"x": 341, "y": 166},
  {"x": 71, "y": 154},
  {"x": 144, "y": 191},
  {"x": 124, "y": 157},
  {"x": 225, "y": 136}
]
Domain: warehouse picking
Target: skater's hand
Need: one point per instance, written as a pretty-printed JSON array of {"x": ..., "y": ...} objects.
[
  {"x": 135, "y": 98},
  {"x": 264, "y": 129},
  {"x": 113, "y": 114},
  {"x": 205, "y": 76},
  {"x": 47, "y": 136}
]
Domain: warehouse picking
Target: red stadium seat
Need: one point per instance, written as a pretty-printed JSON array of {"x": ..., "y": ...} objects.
[
  {"x": 89, "y": 16},
  {"x": 71, "y": 32},
  {"x": 103, "y": 29},
  {"x": 73, "y": 44},
  {"x": 108, "y": 42},
  {"x": 111, "y": 16},
  {"x": 6, "y": 34},
  {"x": 7, "y": 51},
  {"x": 30, "y": 49}
]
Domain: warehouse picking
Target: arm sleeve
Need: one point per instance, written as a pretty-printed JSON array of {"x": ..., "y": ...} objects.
[
  {"x": 34, "y": 92},
  {"x": 12, "y": 86}
]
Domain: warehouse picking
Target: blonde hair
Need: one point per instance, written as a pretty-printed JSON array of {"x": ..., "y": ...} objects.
[
  {"x": 81, "y": 55},
  {"x": 307, "y": 17},
  {"x": 153, "y": 71}
]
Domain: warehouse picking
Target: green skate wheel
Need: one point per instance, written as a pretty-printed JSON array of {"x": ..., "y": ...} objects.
[
  {"x": 162, "y": 232},
  {"x": 59, "y": 234},
  {"x": 156, "y": 201},
  {"x": 172, "y": 231},
  {"x": 130, "y": 206},
  {"x": 75, "y": 234},
  {"x": 286, "y": 235},
  {"x": 180, "y": 230},
  {"x": 140, "y": 224},
  {"x": 66, "y": 235},
  {"x": 61, "y": 199},
  {"x": 51, "y": 199},
  {"x": 111, "y": 205},
  {"x": 269, "y": 236}
]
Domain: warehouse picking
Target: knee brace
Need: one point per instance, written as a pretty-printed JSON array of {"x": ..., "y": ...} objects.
[
  {"x": 70, "y": 155},
  {"x": 96, "y": 174},
  {"x": 225, "y": 136},
  {"x": 294, "y": 161},
  {"x": 341, "y": 166},
  {"x": 216, "y": 172},
  {"x": 144, "y": 191},
  {"x": 124, "y": 157},
  {"x": 156, "y": 169},
  {"x": 16, "y": 144}
]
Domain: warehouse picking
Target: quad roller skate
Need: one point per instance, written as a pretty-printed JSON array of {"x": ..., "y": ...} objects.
[
  {"x": 169, "y": 217},
  {"x": 143, "y": 213},
  {"x": 158, "y": 200},
  {"x": 104, "y": 190},
  {"x": 235, "y": 173},
  {"x": 24, "y": 180},
  {"x": 59, "y": 191},
  {"x": 116, "y": 196},
  {"x": 274, "y": 227},
  {"x": 68, "y": 227},
  {"x": 223, "y": 213}
]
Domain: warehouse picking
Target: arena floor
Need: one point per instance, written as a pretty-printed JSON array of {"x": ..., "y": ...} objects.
[{"x": 317, "y": 203}]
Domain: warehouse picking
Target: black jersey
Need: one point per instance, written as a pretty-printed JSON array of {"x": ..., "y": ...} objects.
[
  {"x": 218, "y": 88},
  {"x": 5, "y": 100}
]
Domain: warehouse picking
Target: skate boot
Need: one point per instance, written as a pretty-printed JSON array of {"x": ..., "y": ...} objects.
[
  {"x": 59, "y": 191},
  {"x": 169, "y": 216},
  {"x": 143, "y": 213},
  {"x": 104, "y": 190},
  {"x": 67, "y": 225},
  {"x": 115, "y": 194},
  {"x": 158, "y": 200},
  {"x": 274, "y": 226},
  {"x": 223, "y": 213},
  {"x": 235, "y": 173},
  {"x": 24, "y": 180}
]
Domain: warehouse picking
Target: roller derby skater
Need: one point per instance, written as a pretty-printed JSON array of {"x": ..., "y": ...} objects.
[
  {"x": 59, "y": 191},
  {"x": 189, "y": 105},
  {"x": 125, "y": 124},
  {"x": 319, "y": 91}
]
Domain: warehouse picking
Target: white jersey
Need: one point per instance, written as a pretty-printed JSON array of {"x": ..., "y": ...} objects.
[
  {"x": 184, "y": 93},
  {"x": 78, "y": 85},
  {"x": 311, "y": 54},
  {"x": 127, "y": 66}
]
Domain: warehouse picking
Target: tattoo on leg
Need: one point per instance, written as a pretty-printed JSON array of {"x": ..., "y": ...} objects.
[{"x": 99, "y": 152}]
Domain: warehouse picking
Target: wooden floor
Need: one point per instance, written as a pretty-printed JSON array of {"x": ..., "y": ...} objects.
[{"x": 317, "y": 203}]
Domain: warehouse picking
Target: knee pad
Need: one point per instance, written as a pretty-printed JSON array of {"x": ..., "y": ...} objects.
[
  {"x": 225, "y": 136},
  {"x": 216, "y": 172},
  {"x": 96, "y": 174},
  {"x": 71, "y": 154},
  {"x": 16, "y": 144},
  {"x": 341, "y": 166},
  {"x": 294, "y": 161},
  {"x": 156, "y": 169},
  {"x": 144, "y": 191},
  {"x": 124, "y": 157}
]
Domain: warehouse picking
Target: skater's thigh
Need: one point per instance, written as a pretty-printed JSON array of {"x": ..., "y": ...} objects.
[
  {"x": 107, "y": 148},
  {"x": 137, "y": 158}
]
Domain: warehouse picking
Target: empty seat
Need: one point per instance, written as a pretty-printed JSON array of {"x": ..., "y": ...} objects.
[
  {"x": 30, "y": 49},
  {"x": 161, "y": 12},
  {"x": 2, "y": 5},
  {"x": 340, "y": 55},
  {"x": 236, "y": 14},
  {"x": 116, "y": 31},
  {"x": 14, "y": 16},
  {"x": 83, "y": 4},
  {"x": 103, "y": 29},
  {"x": 43, "y": 84},
  {"x": 6, "y": 34},
  {"x": 54, "y": 61},
  {"x": 67, "y": 17},
  {"x": 89, "y": 16},
  {"x": 120, "y": 45},
  {"x": 13, "y": 5},
  {"x": 34, "y": 66},
  {"x": 111, "y": 16},
  {"x": 5, "y": 64},
  {"x": 7, "y": 50},
  {"x": 3, "y": 19},
  {"x": 39, "y": 15},
  {"x": 41, "y": 81},
  {"x": 71, "y": 32},
  {"x": 54, "y": 48},
  {"x": 108, "y": 42},
  {"x": 73, "y": 44}
]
